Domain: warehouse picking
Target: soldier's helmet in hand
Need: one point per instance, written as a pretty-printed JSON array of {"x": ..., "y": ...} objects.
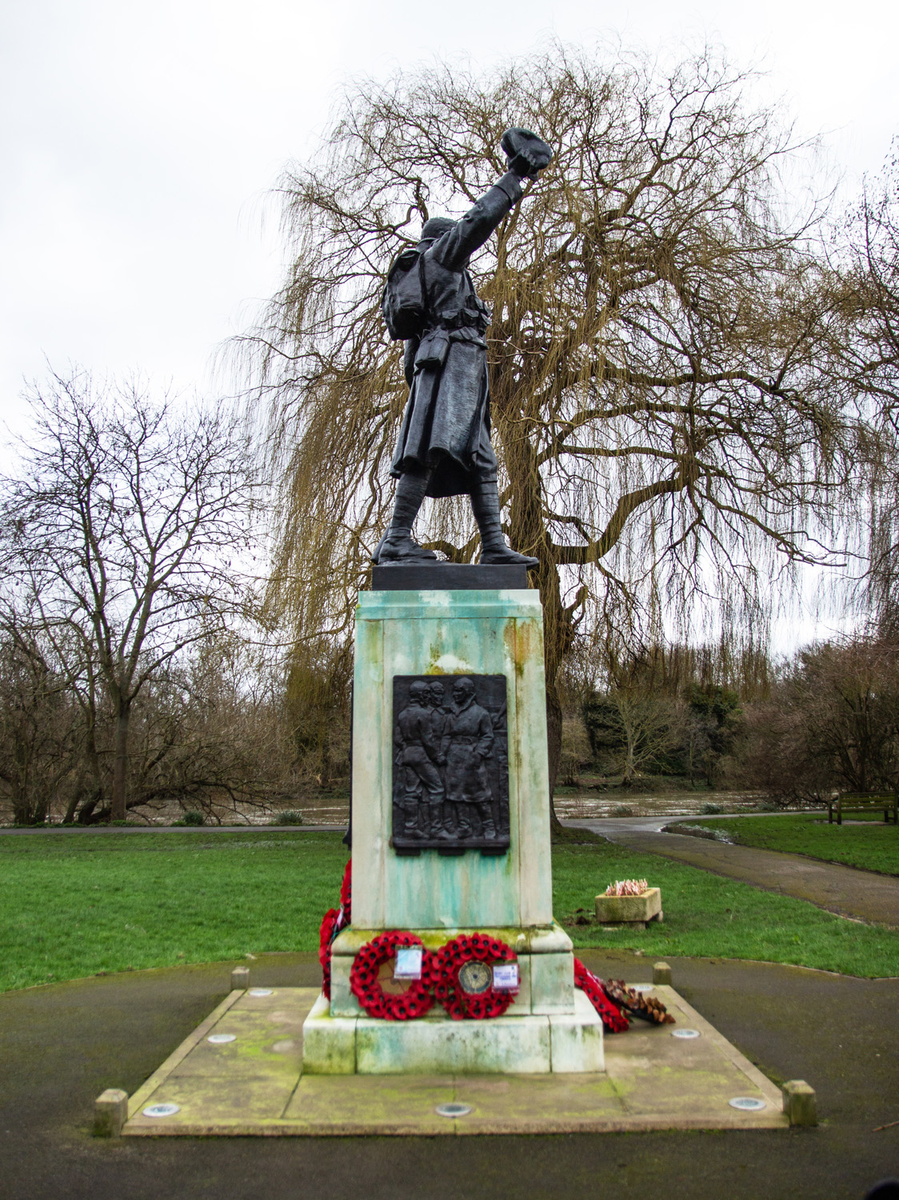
[{"x": 527, "y": 153}]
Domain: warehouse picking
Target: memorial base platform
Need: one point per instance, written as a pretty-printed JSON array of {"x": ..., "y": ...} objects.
[{"x": 249, "y": 1081}]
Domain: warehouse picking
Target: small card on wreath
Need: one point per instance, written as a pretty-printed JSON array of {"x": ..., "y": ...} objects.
[
  {"x": 408, "y": 962},
  {"x": 505, "y": 977}
]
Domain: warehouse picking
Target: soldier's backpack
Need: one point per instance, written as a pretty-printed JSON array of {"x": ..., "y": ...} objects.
[{"x": 404, "y": 302}]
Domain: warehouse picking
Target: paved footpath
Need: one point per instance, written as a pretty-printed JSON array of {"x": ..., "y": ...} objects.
[{"x": 863, "y": 895}]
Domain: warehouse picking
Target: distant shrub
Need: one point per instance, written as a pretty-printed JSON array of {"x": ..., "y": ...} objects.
[
  {"x": 191, "y": 817},
  {"x": 709, "y": 810},
  {"x": 290, "y": 816}
]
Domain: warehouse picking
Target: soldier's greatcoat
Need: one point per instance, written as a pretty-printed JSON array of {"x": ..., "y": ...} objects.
[
  {"x": 446, "y": 425},
  {"x": 467, "y": 741},
  {"x": 418, "y": 744}
]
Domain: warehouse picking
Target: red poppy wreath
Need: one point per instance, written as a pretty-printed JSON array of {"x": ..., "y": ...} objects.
[
  {"x": 326, "y": 935},
  {"x": 366, "y": 976},
  {"x": 594, "y": 989},
  {"x": 333, "y": 921},
  {"x": 346, "y": 893},
  {"x": 464, "y": 981}
]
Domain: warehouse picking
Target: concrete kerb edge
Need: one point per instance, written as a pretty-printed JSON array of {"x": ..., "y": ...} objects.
[
  {"x": 543, "y": 1127},
  {"x": 714, "y": 959}
]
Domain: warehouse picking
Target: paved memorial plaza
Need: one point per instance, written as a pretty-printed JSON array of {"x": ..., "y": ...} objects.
[{"x": 239, "y": 1072}]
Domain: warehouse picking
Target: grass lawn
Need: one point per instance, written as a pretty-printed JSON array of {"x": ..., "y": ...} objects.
[
  {"x": 708, "y": 916},
  {"x": 871, "y": 846},
  {"x": 76, "y": 904}
]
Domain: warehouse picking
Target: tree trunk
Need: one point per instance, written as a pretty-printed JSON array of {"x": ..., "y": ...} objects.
[
  {"x": 529, "y": 536},
  {"x": 120, "y": 765},
  {"x": 21, "y": 809},
  {"x": 88, "y": 790},
  {"x": 554, "y": 748}
]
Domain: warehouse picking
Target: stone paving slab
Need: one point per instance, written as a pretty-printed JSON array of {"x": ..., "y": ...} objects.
[{"x": 253, "y": 1085}]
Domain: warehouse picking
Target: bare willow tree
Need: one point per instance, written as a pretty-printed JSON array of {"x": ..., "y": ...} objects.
[
  {"x": 867, "y": 368},
  {"x": 120, "y": 527},
  {"x": 652, "y": 352}
]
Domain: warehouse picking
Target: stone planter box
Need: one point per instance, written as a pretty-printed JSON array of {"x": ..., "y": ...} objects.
[{"x": 630, "y": 910}]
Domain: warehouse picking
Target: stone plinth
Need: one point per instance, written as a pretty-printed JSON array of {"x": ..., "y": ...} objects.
[
  {"x": 570, "y": 1043},
  {"x": 501, "y": 885},
  {"x": 448, "y": 633}
]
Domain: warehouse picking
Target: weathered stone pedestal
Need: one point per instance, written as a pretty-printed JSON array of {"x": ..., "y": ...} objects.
[{"x": 440, "y": 623}]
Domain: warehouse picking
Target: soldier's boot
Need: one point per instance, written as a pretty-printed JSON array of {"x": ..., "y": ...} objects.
[
  {"x": 449, "y": 822},
  {"x": 485, "y": 505},
  {"x": 488, "y": 829},
  {"x": 435, "y": 822},
  {"x": 441, "y": 824},
  {"x": 411, "y": 829},
  {"x": 397, "y": 545}
]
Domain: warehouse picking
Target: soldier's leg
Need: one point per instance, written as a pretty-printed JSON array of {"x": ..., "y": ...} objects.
[
  {"x": 411, "y": 803},
  {"x": 433, "y": 796},
  {"x": 397, "y": 544},
  {"x": 485, "y": 505},
  {"x": 464, "y": 818},
  {"x": 435, "y": 819},
  {"x": 424, "y": 818},
  {"x": 488, "y": 827},
  {"x": 413, "y": 813}
]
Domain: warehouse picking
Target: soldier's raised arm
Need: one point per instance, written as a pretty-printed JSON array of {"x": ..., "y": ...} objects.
[
  {"x": 527, "y": 156},
  {"x": 470, "y": 232}
]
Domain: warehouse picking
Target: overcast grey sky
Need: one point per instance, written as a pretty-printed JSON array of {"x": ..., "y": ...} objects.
[{"x": 139, "y": 141}]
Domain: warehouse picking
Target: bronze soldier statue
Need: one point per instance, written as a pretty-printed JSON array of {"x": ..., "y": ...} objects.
[{"x": 444, "y": 444}]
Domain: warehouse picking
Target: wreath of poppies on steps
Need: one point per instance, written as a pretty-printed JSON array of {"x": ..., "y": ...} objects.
[
  {"x": 326, "y": 935},
  {"x": 333, "y": 921},
  {"x": 446, "y": 965},
  {"x": 440, "y": 976},
  {"x": 346, "y": 892},
  {"x": 592, "y": 986},
  {"x": 636, "y": 1004},
  {"x": 414, "y": 1001}
]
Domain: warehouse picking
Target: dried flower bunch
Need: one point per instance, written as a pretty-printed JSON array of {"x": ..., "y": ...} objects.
[{"x": 627, "y": 887}]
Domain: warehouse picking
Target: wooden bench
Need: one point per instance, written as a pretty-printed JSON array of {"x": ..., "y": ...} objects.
[{"x": 885, "y": 802}]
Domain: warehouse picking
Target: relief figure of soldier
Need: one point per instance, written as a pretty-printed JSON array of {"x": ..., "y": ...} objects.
[
  {"x": 468, "y": 742},
  {"x": 418, "y": 738}
]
